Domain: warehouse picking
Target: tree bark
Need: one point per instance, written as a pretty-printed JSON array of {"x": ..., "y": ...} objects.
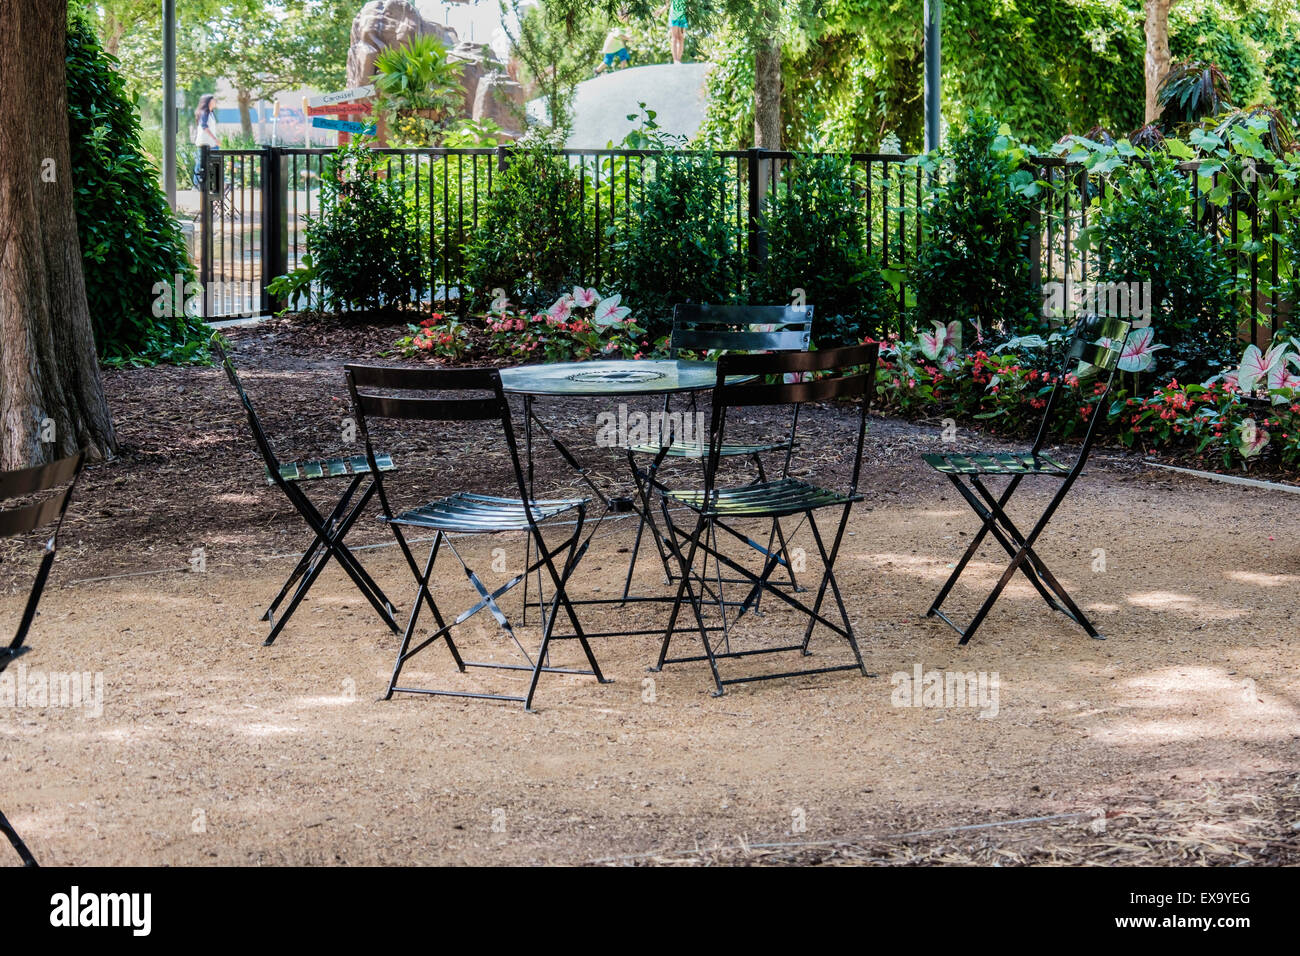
[
  {"x": 245, "y": 100},
  {"x": 51, "y": 397},
  {"x": 767, "y": 93},
  {"x": 1157, "y": 56}
]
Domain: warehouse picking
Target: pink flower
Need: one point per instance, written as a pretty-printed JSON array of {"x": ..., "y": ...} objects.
[{"x": 584, "y": 298}]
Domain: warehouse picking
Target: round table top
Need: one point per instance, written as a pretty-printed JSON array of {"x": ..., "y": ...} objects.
[{"x": 610, "y": 377}]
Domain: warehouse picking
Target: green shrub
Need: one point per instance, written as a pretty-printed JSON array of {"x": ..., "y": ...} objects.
[
  {"x": 533, "y": 235},
  {"x": 973, "y": 264},
  {"x": 365, "y": 247},
  {"x": 681, "y": 244},
  {"x": 1141, "y": 232},
  {"x": 815, "y": 242},
  {"x": 129, "y": 241}
]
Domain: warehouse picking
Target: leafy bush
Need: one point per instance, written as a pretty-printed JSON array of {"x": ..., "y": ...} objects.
[
  {"x": 680, "y": 244},
  {"x": 533, "y": 232},
  {"x": 129, "y": 241},
  {"x": 1140, "y": 231},
  {"x": 815, "y": 242},
  {"x": 365, "y": 249},
  {"x": 973, "y": 264}
]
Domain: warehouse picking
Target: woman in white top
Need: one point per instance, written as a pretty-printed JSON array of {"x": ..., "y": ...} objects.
[{"x": 206, "y": 130}]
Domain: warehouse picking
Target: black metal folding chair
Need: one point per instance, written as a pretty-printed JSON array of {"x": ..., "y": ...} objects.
[
  {"x": 42, "y": 509},
  {"x": 719, "y": 328},
  {"x": 851, "y": 374},
  {"x": 1095, "y": 349},
  {"x": 290, "y": 477},
  {"x": 470, "y": 513}
]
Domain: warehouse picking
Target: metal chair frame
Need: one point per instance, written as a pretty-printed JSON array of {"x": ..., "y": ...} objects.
[
  {"x": 1097, "y": 343},
  {"x": 329, "y": 531},
  {"x": 21, "y": 519},
  {"x": 469, "y": 514},
  {"x": 710, "y": 328},
  {"x": 768, "y": 500}
]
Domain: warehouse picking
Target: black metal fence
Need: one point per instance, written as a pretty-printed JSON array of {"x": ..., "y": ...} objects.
[{"x": 255, "y": 204}]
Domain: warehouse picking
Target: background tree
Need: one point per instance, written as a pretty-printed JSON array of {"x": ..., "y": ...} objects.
[{"x": 51, "y": 398}]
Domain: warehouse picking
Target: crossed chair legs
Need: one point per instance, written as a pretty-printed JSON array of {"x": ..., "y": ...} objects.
[
  {"x": 991, "y": 511},
  {"x": 700, "y": 541},
  {"x": 488, "y": 600},
  {"x": 646, "y": 485},
  {"x": 328, "y": 542}
]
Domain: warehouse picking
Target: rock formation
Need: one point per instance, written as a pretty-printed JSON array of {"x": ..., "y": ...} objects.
[{"x": 382, "y": 24}]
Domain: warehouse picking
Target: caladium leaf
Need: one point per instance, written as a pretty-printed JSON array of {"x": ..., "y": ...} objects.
[
  {"x": 1282, "y": 384},
  {"x": 1139, "y": 350},
  {"x": 609, "y": 312},
  {"x": 1256, "y": 365},
  {"x": 933, "y": 343}
]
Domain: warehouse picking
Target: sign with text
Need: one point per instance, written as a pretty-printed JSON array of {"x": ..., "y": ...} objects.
[
  {"x": 343, "y": 126},
  {"x": 342, "y": 96},
  {"x": 339, "y": 108}
]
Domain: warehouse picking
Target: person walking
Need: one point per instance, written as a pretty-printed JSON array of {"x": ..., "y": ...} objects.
[{"x": 206, "y": 132}]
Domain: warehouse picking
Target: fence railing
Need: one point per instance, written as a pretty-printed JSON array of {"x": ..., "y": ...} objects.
[{"x": 255, "y": 205}]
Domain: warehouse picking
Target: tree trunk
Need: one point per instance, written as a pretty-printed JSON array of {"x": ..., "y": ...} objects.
[
  {"x": 767, "y": 93},
  {"x": 51, "y": 398},
  {"x": 1157, "y": 58},
  {"x": 245, "y": 99}
]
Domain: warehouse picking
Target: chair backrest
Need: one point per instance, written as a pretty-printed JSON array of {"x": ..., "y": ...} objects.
[
  {"x": 22, "y": 518},
  {"x": 254, "y": 423},
  {"x": 741, "y": 328},
  {"x": 404, "y": 393},
  {"x": 846, "y": 373},
  {"x": 1098, "y": 342}
]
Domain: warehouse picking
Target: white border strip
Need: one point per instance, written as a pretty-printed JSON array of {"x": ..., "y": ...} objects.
[{"x": 1227, "y": 479}]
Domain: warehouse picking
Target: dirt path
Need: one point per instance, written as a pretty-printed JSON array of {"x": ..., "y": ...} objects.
[{"x": 1174, "y": 740}]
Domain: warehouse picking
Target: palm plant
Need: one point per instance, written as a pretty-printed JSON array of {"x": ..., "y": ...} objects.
[{"x": 1193, "y": 91}]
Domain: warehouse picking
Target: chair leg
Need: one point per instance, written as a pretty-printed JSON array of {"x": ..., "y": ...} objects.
[
  {"x": 421, "y": 596},
  {"x": 306, "y": 560},
  {"x": 24, "y": 854},
  {"x": 683, "y": 589},
  {"x": 828, "y": 560}
]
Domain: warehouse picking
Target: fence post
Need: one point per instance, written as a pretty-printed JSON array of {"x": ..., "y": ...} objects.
[
  {"x": 503, "y": 157},
  {"x": 275, "y": 223},
  {"x": 205, "y": 227},
  {"x": 756, "y": 234}
]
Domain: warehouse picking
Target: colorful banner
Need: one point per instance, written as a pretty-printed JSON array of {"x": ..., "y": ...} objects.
[
  {"x": 343, "y": 126},
  {"x": 339, "y": 108}
]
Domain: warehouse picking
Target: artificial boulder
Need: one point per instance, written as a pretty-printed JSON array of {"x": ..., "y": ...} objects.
[
  {"x": 382, "y": 24},
  {"x": 472, "y": 58},
  {"x": 500, "y": 99}
]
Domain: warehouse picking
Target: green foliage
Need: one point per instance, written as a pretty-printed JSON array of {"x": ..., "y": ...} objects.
[
  {"x": 1207, "y": 31},
  {"x": 1192, "y": 91},
  {"x": 365, "y": 249},
  {"x": 1140, "y": 231},
  {"x": 419, "y": 90},
  {"x": 533, "y": 235},
  {"x": 680, "y": 244},
  {"x": 973, "y": 265},
  {"x": 815, "y": 242},
  {"x": 129, "y": 241}
]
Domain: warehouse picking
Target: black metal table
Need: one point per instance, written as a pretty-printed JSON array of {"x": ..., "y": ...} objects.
[{"x": 601, "y": 378}]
